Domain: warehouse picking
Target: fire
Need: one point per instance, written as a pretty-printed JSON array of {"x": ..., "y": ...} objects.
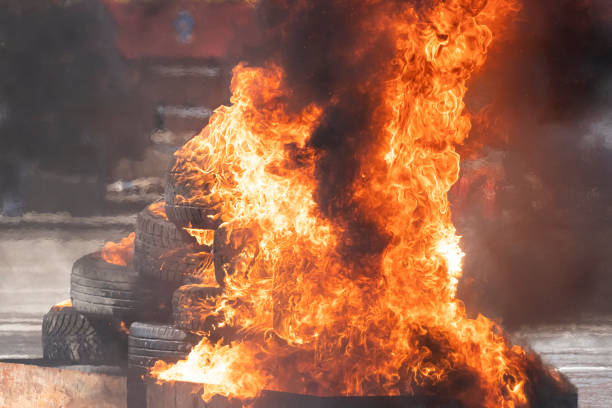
[
  {"x": 123, "y": 327},
  {"x": 158, "y": 209},
  {"x": 62, "y": 305},
  {"x": 204, "y": 237},
  {"x": 119, "y": 253},
  {"x": 353, "y": 294}
]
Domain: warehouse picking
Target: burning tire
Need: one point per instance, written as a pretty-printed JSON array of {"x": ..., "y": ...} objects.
[
  {"x": 148, "y": 343},
  {"x": 227, "y": 250},
  {"x": 70, "y": 336},
  {"x": 104, "y": 289},
  {"x": 161, "y": 250},
  {"x": 188, "y": 307},
  {"x": 198, "y": 214}
]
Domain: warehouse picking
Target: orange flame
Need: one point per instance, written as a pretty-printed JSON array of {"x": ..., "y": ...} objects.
[
  {"x": 204, "y": 237},
  {"x": 158, "y": 208},
  {"x": 119, "y": 253},
  {"x": 311, "y": 320},
  {"x": 123, "y": 328},
  {"x": 205, "y": 272},
  {"x": 62, "y": 305}
]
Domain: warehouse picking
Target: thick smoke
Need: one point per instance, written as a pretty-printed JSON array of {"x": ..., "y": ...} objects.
[
  {"x": 545, "y": 90},
  {"x": 538, "y": 250},
  {"x": 326, "y": 54}
]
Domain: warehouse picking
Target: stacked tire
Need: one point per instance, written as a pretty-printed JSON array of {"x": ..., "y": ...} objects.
[
  {"x": 149, "y": 341},
  {"x": 106, "y": 298},
  {"x": 165, "y": 254},
  {"x": 166, "y": 257},
  {"x": 162, "y": 251},
  {"x": 152, "y": 308},
  {"x": 183, "y": 207},
  {"x": 72, "y": 337},
  {"x": 92, "y": 327},
  {"x": 109, "y": 291}
]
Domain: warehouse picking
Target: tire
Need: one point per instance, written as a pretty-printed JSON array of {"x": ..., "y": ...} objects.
[
  {"x": 155, "y": 230},
  {"x": 72, "y": 337},
  {"x": 163, "y": 251},
  {"x": 198, "y": 215},
  {"x": 188, "y": 314},
  {"x": 148, "y": 343},
  {"x": 103, "y": 289}
]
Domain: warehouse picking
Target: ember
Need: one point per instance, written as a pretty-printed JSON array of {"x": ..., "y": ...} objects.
[{"x": 331, "y": 192}]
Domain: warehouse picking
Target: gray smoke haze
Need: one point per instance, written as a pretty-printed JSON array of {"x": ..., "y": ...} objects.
[{"x": 538, "y": 245}]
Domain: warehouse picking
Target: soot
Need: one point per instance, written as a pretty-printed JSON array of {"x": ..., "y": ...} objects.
[
  {"x": 548, "y": 91},
  {"x": 329, "y": 60}
]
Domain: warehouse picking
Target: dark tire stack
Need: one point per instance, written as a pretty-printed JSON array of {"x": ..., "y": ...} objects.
[
  {"x": 72, "y": 337},
  {"x": 159, "y": 294},
  {"x": 182, "y": 208},
  {"x": 150, "y": 342},
  {"x": 106, "y": 298},
  {"x": 164, "y": 253},
  {"x": 189, "y": 304},
  {"x": 106, "y": 290},
  {"x": 162, "y": 250},
  {"x": 147, "y": 344},
  {"x": 92, "y": 327},
  {"x": 202, "y": 211}
]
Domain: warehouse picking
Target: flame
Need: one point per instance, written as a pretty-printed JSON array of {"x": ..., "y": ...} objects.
[
  {"x": 158, "y": 208},
  {"x": 227, "y": 374},
  {"x": 123, "y": 328},
  {"x": 119, "y": 253},
  {"x": 62, "y": 305},
  {"x": 313, "y": 320},
  {"x": 204, "y": 237}
]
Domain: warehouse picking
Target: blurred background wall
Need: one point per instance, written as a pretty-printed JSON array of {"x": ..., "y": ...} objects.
[{"x": 100, "y": 92}]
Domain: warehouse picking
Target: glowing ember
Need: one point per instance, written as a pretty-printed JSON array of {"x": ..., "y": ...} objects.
[
  {"x": 119, "y": 253},
  {"x": 348, "y": 263}
]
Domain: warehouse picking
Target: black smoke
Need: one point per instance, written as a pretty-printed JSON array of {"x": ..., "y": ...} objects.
[
  {"x": 543, "y": 254},
  {"x": 326, "y": 53}
]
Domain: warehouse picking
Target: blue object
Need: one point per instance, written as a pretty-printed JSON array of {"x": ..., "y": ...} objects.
[
  {"x": 184, "y": 26},
  {"x": 12, "y": 206}
]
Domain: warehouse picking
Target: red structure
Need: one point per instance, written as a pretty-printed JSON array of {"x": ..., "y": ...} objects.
[
  {"x": 183, "y": 28},
  {"x": 181, "y": 53}
]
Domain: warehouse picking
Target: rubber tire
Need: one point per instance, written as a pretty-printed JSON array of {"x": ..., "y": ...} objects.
[
  {"x": 149, "y": 342},
  {"x": 157, "y": 231},
  {"x": 183, "y": 215},
  {"x": 188, "y": 315},
  {"x": 103, "y": 289},
  {"x": 163, "y": 251},
  {"x": 72, "y": 337}
]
